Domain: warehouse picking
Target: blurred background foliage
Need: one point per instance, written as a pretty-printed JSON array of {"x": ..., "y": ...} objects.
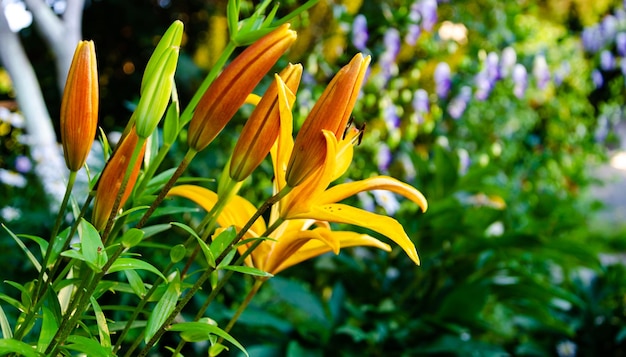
[{"x": 512, "y": 260}]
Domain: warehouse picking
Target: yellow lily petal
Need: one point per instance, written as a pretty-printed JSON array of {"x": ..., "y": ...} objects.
[
  {"x": 288, "y": 244},
  {"x": 236, "y": 213},
  {"x": 387, "y": 226},
  {"x": 315, "y": 248},
  {"x": 345, "y": 190}
]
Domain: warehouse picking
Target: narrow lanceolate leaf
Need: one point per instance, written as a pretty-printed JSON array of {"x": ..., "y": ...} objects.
[
  {"x": 8, "y": 346},
  {"x": 5, "y": 326},
  {"x": 28, "y": 253},
  {"x": 49, "y": 328},
  {"x": 122, "y": 264},
  {"x": 195, "y": 328},
  {"x": 163, "y": 308},
  {"x": 103, "y": 328},
  {"x": 135, "y": 282},
  {"x": 88, "y": 346},
  {"x": 248, "y": 270}
]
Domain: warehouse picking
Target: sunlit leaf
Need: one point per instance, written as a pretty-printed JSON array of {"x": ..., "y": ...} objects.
[
  {"x": 133, "y": 264},
  {"x": 248, "y": 270},
  {"x": 103, "y": 328},
  {"x": 49, "y": 328},
  {"x": 163, "y": 308},
  {"x": 8, "y": 346},
  {"x": 196, "y": 329}
]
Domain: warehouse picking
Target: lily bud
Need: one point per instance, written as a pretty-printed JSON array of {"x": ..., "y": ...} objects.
[
  {"x": 229, "y": 91},
  {"x": 112, "y": 177},
  {"x": 79, "y": 106},
  {"x": 261, "y": 130},
  {"x": 331, "y": 112},
  {"x": 158, "y": 81}
]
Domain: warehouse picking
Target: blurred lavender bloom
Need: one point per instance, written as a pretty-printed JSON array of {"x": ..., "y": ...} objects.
[
  {"x": 623, "y": 65},
  {"x": 442, "y": 79},
  {"x": 420, "y": 102},
  {"x": 520, "y": 78},
  {"x": 592, "y": 39},
  {"x": 491, "y": 67},
  {"x": 367, "y": 202},
  {"x": 541, "y": 72},
  {"x": 387, "y": 200},
  {"x": 414, "y": 13},
  {"x": 458, "y": 104},
  {"x": 483, "y": 85},
  {"x": 23, "y": 164},
  {"x": 464, "y": 161},
  {"x": 383, "y": 157},
  {"x": 607, "y": 61},
  {"x": 428, "y": 10},
  {"x": 620, "y": 44},
  {"x": 407, "y": 164},
  {"x": 392, "y": 42},
  {"x": 602, "y": 129},
  {"x": 390, "y": 114},
  {"x": 597, "y": 78},
  {"x": 413, "y": 34},
  {"x": 608, "y": 27},
  {"x": 562, "y": 72},
  {"x": 509, "y": 58},
  {"x": 359, "y": 32}
]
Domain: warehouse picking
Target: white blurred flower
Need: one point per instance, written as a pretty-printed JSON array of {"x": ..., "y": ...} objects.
[
  {"x": 9, "y": 213},
  {"x": 12, "y": 178},
  {"x": 495, "y": 229},
  {"x": 387, "y": 201},
  {"x": 566, "y": 348}
]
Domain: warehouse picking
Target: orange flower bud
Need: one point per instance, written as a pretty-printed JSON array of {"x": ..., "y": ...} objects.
[
  {"x": 229, "y": 91},
  {"x": 331, "y": 112},
  {"x": 112, "y": 176},
  {"x": 79, "y": 106},
  {"x": 261, "y": 129}
]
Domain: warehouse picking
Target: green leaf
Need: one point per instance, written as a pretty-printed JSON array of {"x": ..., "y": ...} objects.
[
  {"x": 49, "y": 328},
  {"x": 132, "y": 237},
  {"x": 195, "y": 329},
  {"x": 5, "y": 326},
  {"x": 133, "y": 264},
  {"x": 222, "y": 241},
  {"x": 154, "y": 230},
  {"x": 103, "y": 328},
  {"x": 248, "y": 270},
  {"x": 135, "y": 282},
  {"x": 170, "y": 124},
  {"x": 163, "y": 308},
  {"x": 91, "y": 246},
  {"x": 186, "y": 228},
  {"x": 227, "y": 259},
  {"x": 87, "y": 346},
  {"x": 207, "y": 253},
  {"x": 13, "y": 302},
  {"x": 177, "y": 253},
  {"x": 8, "y": 346},
  {"x": 19, "y": 242}
]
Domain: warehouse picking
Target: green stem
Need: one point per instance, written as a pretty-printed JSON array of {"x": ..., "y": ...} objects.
[
  {"x": 73, "y": 315},
  {"x": 183, "y": 302},
  {"x": 154, "y": 165},
  {"x": 179, "y": 171}
]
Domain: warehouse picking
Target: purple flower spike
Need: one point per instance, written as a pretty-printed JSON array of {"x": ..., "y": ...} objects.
[
  {"x": 359, "y": 32},
  {"x": 483, "y": 85},
  {"x": 458, "y": 104},
  {"x": 491, "y": 67},
  {"x": 620, "y": 44},
  {"x": 596, "y": 77},
  {"x": 520, "y": 78},
  {"x": 592, "y": 39},
  {"x": 509, "y": 58},
  {"x": 421, "y": 104},
  {"x": 383, "y": 157},
  {"x": 607, "y": 61},
  {"x": 413, "y": 34},
  {"x": 623, "y": 65},
  {"x": 442, "y": 79},
  {"x": 428, "y": 10}
]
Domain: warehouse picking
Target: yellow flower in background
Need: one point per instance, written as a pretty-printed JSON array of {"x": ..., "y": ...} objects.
[
  {"x": 331, "y": 112},
  {"x": 229, "y": 91},
  {"x": 79, "y": 106},
  {"x": 261, "y": 130}
]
